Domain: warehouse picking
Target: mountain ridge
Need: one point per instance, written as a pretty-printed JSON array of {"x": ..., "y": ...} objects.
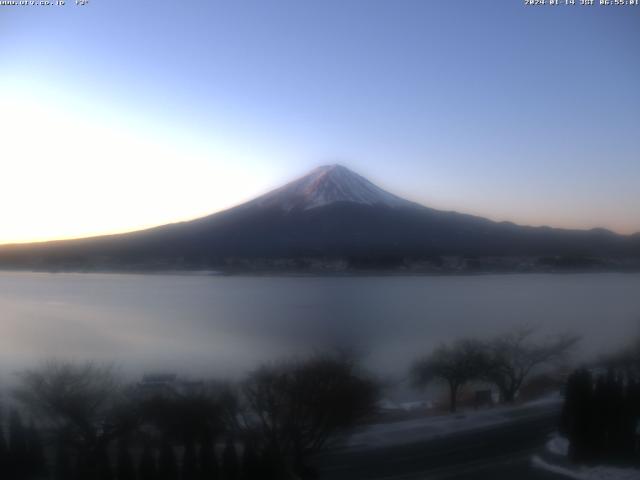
[{"x": 331, "y": 216}]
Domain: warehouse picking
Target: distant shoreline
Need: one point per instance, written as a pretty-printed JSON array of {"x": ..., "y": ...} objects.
[{"x": 316, "y": 274}]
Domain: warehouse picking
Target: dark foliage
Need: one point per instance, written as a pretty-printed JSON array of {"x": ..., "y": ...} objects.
[
  {"x": 167, "y": 463},
  {"x": 272, "y": 464},
  {"x": 600, "y": 417},
  {"x": 18, "y": 445},
  {"x": 251, "y": 464},
  {"x": 148, "y": 469},
  {"x": 4, "y": 454},
  {"x": 35, "y": 452},
  {"x": 62, "y": 469},
  {"x": 207, "y": 461},
  {"x": 189, "y": 465},
  {"x": 299, "y": 407},
  {"x": 22, "y": 457},
  {"x": 103, "y": 470},
  {"x": 230, "y": 462},
  {"x": 455, "y": 365},
  {"x": 125, "y": 469}
]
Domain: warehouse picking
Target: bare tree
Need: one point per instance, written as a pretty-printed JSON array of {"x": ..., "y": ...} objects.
[
  {"x": 456, "y": 364},
  {"x": 80, "y": 401},
  {"x": 626, "y": 360},
  {"x": 513, "y": 356},
  {"x": 298, "y": 407}
]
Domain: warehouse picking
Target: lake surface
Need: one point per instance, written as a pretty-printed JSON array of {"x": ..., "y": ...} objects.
[{"x": 224, "y": 326}]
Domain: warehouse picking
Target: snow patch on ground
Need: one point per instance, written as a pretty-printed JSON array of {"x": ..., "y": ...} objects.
[
  {"x": 588, "y": 473},
  {"x": 390, "y": 405},
  {"x": 558, "y": 445},
  {"x": 427, "y": 428}
]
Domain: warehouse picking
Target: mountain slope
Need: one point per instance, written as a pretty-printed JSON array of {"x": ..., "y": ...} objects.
[{"x": 329, "y": 214}]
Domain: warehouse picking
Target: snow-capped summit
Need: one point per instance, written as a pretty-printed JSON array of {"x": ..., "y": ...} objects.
[{"x": 326, "y": 185}]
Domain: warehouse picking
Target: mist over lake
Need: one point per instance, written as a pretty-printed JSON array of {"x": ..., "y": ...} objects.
[{"x": 204, "y": 325}]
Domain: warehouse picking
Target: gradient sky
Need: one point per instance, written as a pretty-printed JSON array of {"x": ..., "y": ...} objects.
[{"x": 120, "y": 115}]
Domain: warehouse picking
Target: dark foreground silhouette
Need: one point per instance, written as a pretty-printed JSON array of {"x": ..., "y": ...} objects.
[
  {"x": 601, "y": 414},
  {"x": 91, "y": 427},
  {"x": 283, "y": 421}
]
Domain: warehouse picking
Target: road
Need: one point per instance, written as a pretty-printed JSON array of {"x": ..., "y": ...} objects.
[{"x": 498, "y": 452}]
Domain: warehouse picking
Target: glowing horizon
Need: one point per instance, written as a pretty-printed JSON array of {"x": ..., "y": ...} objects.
[{"x": 100, "y": 233}]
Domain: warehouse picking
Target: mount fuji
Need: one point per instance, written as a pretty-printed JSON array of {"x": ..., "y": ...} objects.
[{"x": 332, "y": 218}]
